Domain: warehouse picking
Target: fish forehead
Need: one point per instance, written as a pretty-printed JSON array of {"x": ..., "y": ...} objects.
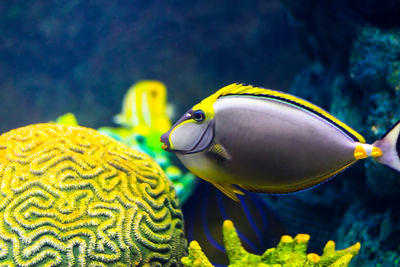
[{"x": 272, "y": 142}]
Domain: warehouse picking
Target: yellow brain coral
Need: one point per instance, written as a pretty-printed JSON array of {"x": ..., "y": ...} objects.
[{"x": 72, "y": 196}]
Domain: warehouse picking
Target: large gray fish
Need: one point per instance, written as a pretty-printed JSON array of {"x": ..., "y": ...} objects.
[{"x": 268, "y": 141}]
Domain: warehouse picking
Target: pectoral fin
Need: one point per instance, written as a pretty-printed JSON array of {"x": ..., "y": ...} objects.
[
  {"x": 220, "y": 151},
  {"x": 229, "y": 190}
]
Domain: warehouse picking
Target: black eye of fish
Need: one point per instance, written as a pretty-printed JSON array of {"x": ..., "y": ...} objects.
[{"x": 198, "y": 116}]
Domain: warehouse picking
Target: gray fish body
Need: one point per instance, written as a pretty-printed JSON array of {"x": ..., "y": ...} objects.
[
  {"x": 268, "y": 141},
  {"x": 273, "y": 146}
]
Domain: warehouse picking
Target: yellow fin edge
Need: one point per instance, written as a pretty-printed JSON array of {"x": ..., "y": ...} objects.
[{"x": 294, "y": 188}]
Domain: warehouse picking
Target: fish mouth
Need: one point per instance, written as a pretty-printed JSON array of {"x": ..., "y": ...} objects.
[
  {"x": 165, "y": 140},
  {"x": 165, "y": 137}
]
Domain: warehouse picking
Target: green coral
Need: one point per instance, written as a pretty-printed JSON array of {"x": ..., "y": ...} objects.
[{"x": 288, "y": 253}]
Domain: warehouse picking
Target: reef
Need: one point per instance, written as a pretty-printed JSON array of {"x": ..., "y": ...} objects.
[
  {"x": 73, "y": 196},
  {"x": 289, "y": 252},
  {"x": 378, "y": 233},
  {"x": 375, "y": 67},
  {"x": 81, "y": 56}
]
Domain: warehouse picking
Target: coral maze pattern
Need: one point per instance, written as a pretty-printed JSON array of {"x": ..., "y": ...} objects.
[{"x": 72, "y": 196}]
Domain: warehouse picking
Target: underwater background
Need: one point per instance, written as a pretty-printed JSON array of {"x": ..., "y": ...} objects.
[{"x": 82, "y": 56}]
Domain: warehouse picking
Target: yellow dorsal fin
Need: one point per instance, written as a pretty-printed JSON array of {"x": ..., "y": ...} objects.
[
  {"x": 248, "y": 90},
  {"x": 229, "y": 190}
]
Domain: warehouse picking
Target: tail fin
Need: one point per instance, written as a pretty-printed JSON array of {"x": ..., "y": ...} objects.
[{"x": 390, "y": 146}]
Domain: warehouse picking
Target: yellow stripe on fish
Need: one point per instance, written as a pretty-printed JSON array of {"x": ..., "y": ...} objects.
[{"x": 239, "y": 89}]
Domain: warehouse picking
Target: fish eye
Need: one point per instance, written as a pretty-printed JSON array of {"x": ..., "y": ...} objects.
[{"x": 198, "y": 115}]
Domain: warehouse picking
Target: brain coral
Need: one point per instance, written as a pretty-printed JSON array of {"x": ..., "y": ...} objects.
[{"x": 72, "y": 196}]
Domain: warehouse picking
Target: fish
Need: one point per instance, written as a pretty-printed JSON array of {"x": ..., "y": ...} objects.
[
  {"x": 267, "y": 141},
  {"x": 145, "y": 108}
]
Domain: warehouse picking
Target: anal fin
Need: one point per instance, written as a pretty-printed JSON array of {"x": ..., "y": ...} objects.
[{"x": 229, "y": 190}]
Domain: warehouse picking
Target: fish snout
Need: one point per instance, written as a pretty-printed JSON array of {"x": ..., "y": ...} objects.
[{"x": 165, "y": 140}]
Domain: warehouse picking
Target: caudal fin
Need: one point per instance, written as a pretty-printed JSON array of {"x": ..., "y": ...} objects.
[{"x": 390, "y": 146}]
